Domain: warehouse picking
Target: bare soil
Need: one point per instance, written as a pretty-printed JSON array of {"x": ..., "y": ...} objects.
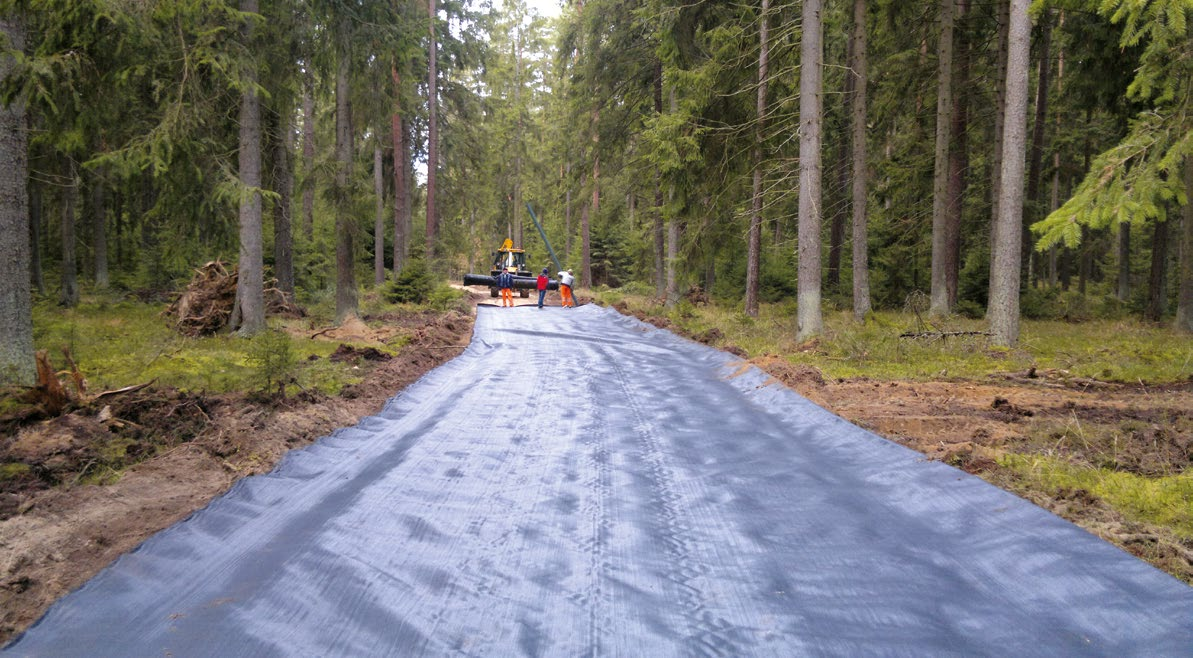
[{"x": 56, "y": 532}]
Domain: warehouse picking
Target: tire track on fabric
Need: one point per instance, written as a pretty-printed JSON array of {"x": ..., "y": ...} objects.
[{"x": 711, "y": 633}]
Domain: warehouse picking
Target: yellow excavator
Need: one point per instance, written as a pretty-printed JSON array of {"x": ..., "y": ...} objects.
[{"x": 513, "y": 260}]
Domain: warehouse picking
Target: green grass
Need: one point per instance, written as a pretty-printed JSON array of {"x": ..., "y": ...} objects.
[
  {"x": 1166, "y": 501},
  {"x": 1110, "y": 350},
  {"x": 122, "y": 343}
]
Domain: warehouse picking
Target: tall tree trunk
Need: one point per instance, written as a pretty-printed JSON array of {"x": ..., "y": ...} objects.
[
  {"x": 35, "y": 232},
  {"x": 840, "y": 188},
  {"x": 99, "y": 233},
  {"x": 672, "y": 293},
  {"x": 250, "y": 285},
  {"x": 519, "y": 237},
  {"x": 754, "y": 249},
  {"x": 809, "y": 314},
  {"x": 16, "y": 305},
  {"x": 398, "y": 135},
  {"x": 840, "y": 196},
  {"x": 379, "y": 220},
  {"x": 1036, "y": 154},
  {"x": 567, "y": 212},
  {"x": 70, "y": 272},
  {"x": 940, "y": 182},
  {"x": 958, "y": 159},
  {"x": 861, "y": 259},
  {"x": 1124, "y": 261},
  {"x": 1085, "y": 254},
  {"x": 1157, "y": 294},
  {"x": 283, "y": 185},
  {"x": 1054, "y": 251},
  {"x": 1000, "y": 110},
  {"x": 1004, "y": 276},
  {"x": 660, "y": 274},
  {"x": 586, "y": 220},
  {"x": 432, "y": 134},
  {"x": 585, "y": 266},
  {"x": 308, "y": 157},
  {"x": 1184, "y": 304},
  {"x": 346, "y": 299}
]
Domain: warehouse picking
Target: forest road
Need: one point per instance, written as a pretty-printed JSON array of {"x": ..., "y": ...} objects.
[{"x": 578, "y": 483}]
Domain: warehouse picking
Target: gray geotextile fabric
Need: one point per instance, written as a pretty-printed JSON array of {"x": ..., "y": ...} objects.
[{"x": 578, "y": 483}]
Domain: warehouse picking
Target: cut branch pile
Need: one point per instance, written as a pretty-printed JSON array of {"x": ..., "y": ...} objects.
[{"x": 207, "y": 304}]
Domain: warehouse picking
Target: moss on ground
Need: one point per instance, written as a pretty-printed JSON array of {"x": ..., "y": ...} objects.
[
  {"x": 1108, "y": 350},
  {"x": 1166, "y": 501},
  {"x": 122, "y": 343}
]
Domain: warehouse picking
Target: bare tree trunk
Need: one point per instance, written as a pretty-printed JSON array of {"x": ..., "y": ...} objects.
[
  {"x": 958, "y": 160},
  {"x": 660, "y": 274},
  {"x": 1124, "y": 261},
  {"x": 308, "y": 157},
  {"x": 585, "y": 266},
  {"x": 432, "y": 135},
  {"x": 754, "y": 249},
  {"x": 586, "y": 219},
  {"x": 809, "y": 314},
  {"x": 398, "y": 136},
  {"x": 1004, "y": 277},
  {"x": 379, "y": 219},
  {"x": 346, "y": 299},
  {"x": 250, "y": 285},
  {"x": 402, "y": 205},
  {"x": 519, "y": 237},
  {"x": 672, "y": 293},
  {"x": 283, "y": 184},
  {"x": 1184, "y": 304},
  {"x": 1157, "y": 296},
  {"x": 1085, "y": 254},
  {"x": 940, "y": 182},
  {"x": 840, "y": 188},
  {"x": 16, "y": 306},
  {"x": 70, "y": 273},
  {"x": 1036, "y": 157},
  {"x": 1000, "y": 110},
  {"x": 35, "y": 219},
  {"x": 567, "y": 212},
  {"x": 1054, "y": 251},
  {"x": 99, "y": 233},
  {"x": 861, "y": 259}
]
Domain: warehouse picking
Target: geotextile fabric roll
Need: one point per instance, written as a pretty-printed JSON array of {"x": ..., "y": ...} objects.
[{"x": 580, "y": 483}]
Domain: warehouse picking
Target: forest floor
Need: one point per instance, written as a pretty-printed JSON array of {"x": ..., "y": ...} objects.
[{"x": 52, "y": 540}]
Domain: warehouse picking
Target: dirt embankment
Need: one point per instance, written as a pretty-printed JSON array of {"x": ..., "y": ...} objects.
[{"x": 54, "y": 538}]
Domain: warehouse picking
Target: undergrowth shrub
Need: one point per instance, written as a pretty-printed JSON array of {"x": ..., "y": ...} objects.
[
  {"x": 413, "y": 285},
  {"x": 447, "y": 298},
  {"x": 271, "y": 356}
]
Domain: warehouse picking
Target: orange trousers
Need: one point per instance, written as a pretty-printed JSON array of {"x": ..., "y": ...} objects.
[
  {"x": 507, "y": 297},
  {"x": 565, "y": 294}
]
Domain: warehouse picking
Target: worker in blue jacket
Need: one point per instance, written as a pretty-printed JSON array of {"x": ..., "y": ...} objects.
[{"x": 505, "y": 281}]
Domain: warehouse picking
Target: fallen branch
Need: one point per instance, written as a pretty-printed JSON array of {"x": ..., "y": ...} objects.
[
  {"x": 121, "y": 391},
  {"x": 940, "y": 335}
]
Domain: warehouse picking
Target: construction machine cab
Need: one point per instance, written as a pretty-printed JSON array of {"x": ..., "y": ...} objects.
[{"x": 512, "y": 260}]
